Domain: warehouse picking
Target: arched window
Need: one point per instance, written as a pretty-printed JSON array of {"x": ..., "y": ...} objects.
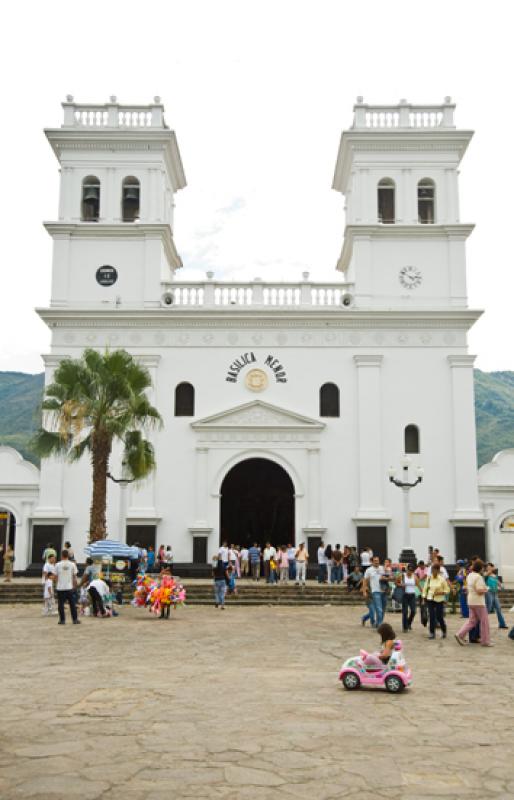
[
  {"x": 426, "y": 201},
  {"x": 130, "y": 200},
  {"x": 184, "y": 400},
  {"x": 90, "y": 208},
  {"x": 386, "y": 190},
  {"x": 411, "y": 436},
  {"x": 329, "y": 400}
]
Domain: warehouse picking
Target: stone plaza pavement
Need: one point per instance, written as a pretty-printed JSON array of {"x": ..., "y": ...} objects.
[{"x": 245, "y": 704}]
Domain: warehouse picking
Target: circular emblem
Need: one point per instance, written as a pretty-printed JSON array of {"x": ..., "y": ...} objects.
[
  {"x": 410, "y": 277},
  {"x": 256, "y": 380},
  {"x": 106, "y": 275},
  {"x": 120, "y": 565}
]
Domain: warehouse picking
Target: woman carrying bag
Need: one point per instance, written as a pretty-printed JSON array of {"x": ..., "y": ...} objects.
[{"x": 435, "y": 592}]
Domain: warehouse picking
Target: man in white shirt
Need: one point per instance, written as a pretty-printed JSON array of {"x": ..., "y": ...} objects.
[
  {"x": 98, "y": 590},
  {"x": 322, "y": 563},
  {"x": 366, "y": 557},
  {"x": 268, "y": 553},
  {"x": 371, "y": 585},
  {"x": 291, "y": 552},
  {"x": 223, "y": 553},
  {"x": 243, "y": 555},
  {"x": 66, "y": 572}
]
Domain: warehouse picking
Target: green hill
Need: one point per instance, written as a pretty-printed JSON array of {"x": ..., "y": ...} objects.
[
  {"x": 494, "y": 411},
  {"x": 20, "y": 396}
]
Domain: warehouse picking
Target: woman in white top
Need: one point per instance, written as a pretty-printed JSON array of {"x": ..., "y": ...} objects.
[{"x": 409, "y": 599}]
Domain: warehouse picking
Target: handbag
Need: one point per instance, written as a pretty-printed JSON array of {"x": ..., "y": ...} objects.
[{"x": 398, "y": 593}]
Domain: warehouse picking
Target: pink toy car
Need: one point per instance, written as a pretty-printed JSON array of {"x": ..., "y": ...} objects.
[{"x": 395, "y": 675}]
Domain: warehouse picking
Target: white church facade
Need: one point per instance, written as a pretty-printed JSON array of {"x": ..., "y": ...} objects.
[{"x": 284, "y": 404}]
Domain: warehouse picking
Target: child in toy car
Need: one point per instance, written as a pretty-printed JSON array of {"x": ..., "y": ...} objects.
[{"x": 386, "y": 668}]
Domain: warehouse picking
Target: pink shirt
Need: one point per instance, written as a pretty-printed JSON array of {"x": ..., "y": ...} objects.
[{"x": 283, "y": 561}]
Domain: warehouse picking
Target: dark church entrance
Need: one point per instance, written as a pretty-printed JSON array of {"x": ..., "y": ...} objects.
[{"x": 257, "y": 504}]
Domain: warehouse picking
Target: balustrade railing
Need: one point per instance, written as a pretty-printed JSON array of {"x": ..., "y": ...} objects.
[
  {"x": 403, "y": 115},
  {"x": 112, "y": 114},
  {"x": 252, "y": 294}
]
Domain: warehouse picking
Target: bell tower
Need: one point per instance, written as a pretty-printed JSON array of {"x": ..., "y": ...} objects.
[
  {"x": 404, "y": 244},
  {"x": 113, "y": 240}
]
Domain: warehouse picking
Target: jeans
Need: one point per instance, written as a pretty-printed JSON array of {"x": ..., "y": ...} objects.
[
  {"x": 385, "y": 598},
  {"x": 322, "y": 574},
  {"x": 266, "y": 570},
  {"x": 272, "y": 576},
  {"x": 436, "y": 614},
  {"x": 493, "y": 604},
  {"x": 292, "y": 570},
  {"x": 408, "y": 610},
  {"x": 66, "y": 596},
  {"x": 379, "y": 606},
  {"x": 256, "y": 570},
  {"x": 96, "y": 600},
  {"x": 220, "y": 588},
  {"x": 301, "y": 571},
  {"x": 371, "y": 612},
  {"x": 477, "y": 614},
  {"x": 337, "y": 573},
  {"x": 463, "y": 600}
]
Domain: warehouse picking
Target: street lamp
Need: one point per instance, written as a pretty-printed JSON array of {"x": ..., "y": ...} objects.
[{"x": 407, "y": 555}]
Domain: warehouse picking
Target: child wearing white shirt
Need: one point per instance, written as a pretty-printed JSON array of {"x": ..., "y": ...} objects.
[{"x": 48, "y": 597}]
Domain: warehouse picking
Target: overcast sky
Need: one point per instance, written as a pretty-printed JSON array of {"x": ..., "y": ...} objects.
[{"x": 258, "y": 93}]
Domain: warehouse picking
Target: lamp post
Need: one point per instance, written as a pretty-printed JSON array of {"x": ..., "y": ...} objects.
[
  {"x": 122, "y": 482},
  {"x": 407, "y": 554}
]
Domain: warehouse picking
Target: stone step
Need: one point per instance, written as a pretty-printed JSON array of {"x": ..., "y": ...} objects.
[{"x": 202, "y": 594}]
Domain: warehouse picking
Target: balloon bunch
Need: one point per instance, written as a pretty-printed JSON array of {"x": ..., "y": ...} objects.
[
  {"x": 144, "y": 586},
  {"x": 158, "y": 594}
]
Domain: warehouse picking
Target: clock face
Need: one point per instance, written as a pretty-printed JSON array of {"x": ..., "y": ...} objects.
[{"x": 410, "y": 277}]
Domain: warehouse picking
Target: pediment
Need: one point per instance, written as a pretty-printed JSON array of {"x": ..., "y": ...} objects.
[{"x": 258, "y": 416}]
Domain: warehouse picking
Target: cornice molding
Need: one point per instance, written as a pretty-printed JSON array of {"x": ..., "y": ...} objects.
[
  {"x": 108, "y": 230},
  {"x": 142, "y": 139},
  {"x": 461, "y": 361},
  {"x": 321, "y": 319},
  {"x": 418, "y": 231},
  {"x": 384, "y": 140}
]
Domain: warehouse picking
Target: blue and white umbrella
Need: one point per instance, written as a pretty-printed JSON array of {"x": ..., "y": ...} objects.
[{"x": 106, "y": 547}]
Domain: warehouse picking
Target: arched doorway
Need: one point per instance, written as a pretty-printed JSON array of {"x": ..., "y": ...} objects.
[{"x": 257, "y": 504}]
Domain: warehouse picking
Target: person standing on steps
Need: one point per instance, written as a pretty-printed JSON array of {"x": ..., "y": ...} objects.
[
  {"x": 254, "y": 556},
  {"x": 66, "y": 572},
  {"x": 301, "y": 559},
  {"x": 291, "y": 550},
  {"x": 322, "y": 563},
  {"x": 221, "y": 576}
]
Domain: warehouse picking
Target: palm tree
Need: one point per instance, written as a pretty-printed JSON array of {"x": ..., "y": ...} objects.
[{"x": 92, "y": 402}]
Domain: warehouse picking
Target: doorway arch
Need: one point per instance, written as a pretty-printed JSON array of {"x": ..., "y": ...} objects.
[{"x": 257, "y": 504}]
